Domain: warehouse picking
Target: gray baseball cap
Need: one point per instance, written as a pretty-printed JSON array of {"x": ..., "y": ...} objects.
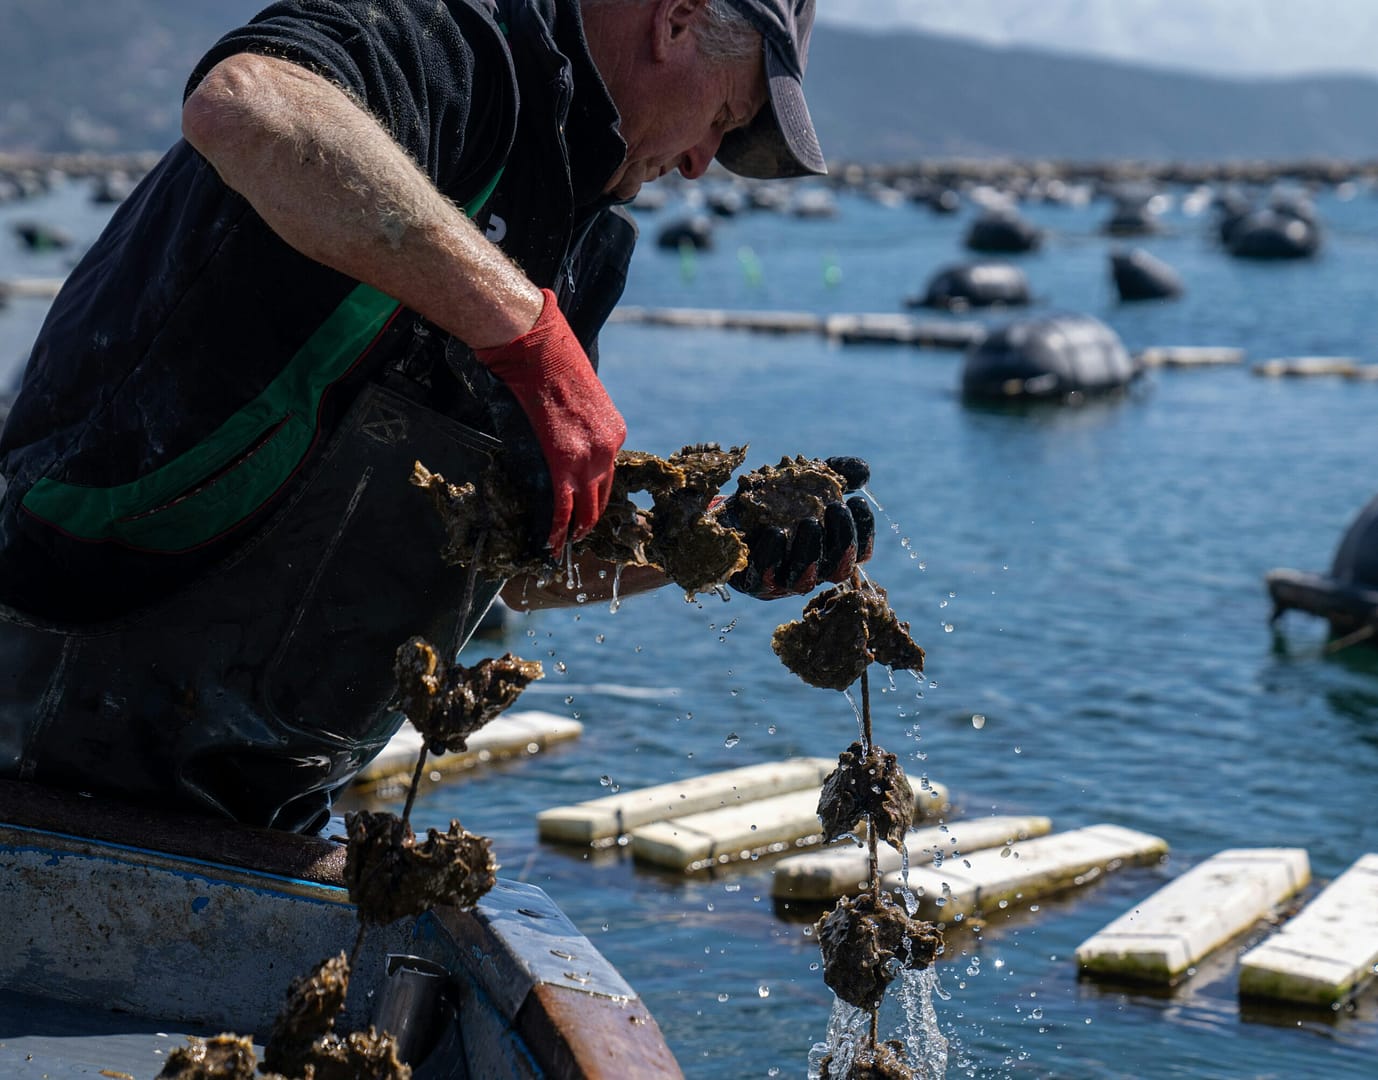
[{"x": 781, "y": 140}]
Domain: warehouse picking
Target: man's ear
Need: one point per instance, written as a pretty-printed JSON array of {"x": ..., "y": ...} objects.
[{"x": 672, "y": 24}]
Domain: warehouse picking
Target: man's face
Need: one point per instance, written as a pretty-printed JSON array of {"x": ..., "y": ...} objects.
[{"x": 675, "y": 115}]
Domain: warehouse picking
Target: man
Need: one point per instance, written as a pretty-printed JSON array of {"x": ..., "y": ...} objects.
[{"x": 391, "y": 233}]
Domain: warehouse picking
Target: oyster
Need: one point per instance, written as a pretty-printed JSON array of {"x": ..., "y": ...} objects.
[
  {"x": 867, "y": 941},
  {"x": 222, "y": 1057},
  {"x": 449, "y": 702},
  {"x": 844, "y": 629},
  {"x": 867, "y": 785},
  {"x": 313, "y": 1003},
  {"x": 390, "y": 876}
]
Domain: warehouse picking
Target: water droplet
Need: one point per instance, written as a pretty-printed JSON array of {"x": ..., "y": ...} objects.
[
  {"x": 732, "y": 886},
  {"x": 709, "y": 905},
  {"x": 923, "y": 564},
  {"x": 560, "y": 666},
  {"x": 605, "y": 780},
  {"x": 1005, "y": 852},
  {"x": 732, "y": 740},
  {"x": 763, "y": 991},
  {"x": 1018, "y": 749},
  {"x": 942, "y": 603},
  {"x": 978, "y": 720},
  {"x": 723, "y": 997},
  {"x": 605, "y": 926},
  {"x": 771, "y": 730},
  {"x": 569, "y": 700},
  {"x": 948, "y": 628},
  {"x": 813, "y": 966},
  {"x": 601, "y": 638}
]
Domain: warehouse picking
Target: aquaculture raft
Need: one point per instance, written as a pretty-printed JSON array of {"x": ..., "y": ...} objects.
[
  {"x": 842, "y": 869},
  {"x": 1026, "y": 870},
  {"x": 513, "y": 734},
  {"x": 1160, "y": 938},
  {"x": 1327, "y": 952},
  {"x": 712, "y": 819}
]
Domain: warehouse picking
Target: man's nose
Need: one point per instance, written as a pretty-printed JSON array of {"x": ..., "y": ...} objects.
[{"x": 697, "y": 159}]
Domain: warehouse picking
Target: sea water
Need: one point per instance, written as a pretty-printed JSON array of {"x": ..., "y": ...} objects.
[{"x": 1088, "y": 581}]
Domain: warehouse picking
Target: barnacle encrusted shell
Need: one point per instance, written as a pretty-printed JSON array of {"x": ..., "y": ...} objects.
[
  {"x": 391, "y": 876},
  {"x": 449, "y": 702},
  {"x": 867, "y": 785},
  {"x": 866, "y": 941},
  {"x": 842, "y": 630}
]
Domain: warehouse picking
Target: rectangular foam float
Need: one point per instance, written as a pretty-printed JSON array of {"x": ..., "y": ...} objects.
[
  {"x": 730, "y": 833},
  {"x": 843, "y": 869},
  {"x": 607, "y": 818},
  {"x": 1025, "y": 871},
  {"x": 1328, "y": 951},
  {"x": 1190, "y": 356},
  {"x": 1189, "y": 918},
  {"x": 512, "y": 734}
]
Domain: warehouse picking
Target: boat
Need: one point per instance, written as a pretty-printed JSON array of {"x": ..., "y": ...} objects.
[
  {"x": 127, "y": 930},
  {"x": 1347, "y": 597}
]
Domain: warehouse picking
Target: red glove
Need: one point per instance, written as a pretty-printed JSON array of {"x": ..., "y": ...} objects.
[{"x": 579, "y": 428}]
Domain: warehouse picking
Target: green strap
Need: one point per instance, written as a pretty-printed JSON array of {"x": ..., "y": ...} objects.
[{"x": 221, "y": 480}]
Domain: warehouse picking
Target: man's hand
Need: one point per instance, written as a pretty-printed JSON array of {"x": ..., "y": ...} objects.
[
  {"x": 792, "y": 563},
  {"x": 579, "y": 428}
]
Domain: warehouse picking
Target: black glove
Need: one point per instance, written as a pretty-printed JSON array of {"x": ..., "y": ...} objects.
[{"x": 792, "y": 563}]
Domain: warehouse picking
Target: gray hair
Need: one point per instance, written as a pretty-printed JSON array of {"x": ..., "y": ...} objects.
[{"x": 725, "y": 34}]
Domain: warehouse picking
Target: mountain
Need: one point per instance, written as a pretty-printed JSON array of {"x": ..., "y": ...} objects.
[
  {"x": 1223, "y": 37},
  {"x": 903, "y": 95},
  {"x": 107, "y": 75}
]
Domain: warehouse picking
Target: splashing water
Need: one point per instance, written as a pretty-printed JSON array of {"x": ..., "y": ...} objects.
[
  {"x": 616, "y": 586},
  {"x": 924, "y": 1041},
  {"x": 848, "y": 1028}
]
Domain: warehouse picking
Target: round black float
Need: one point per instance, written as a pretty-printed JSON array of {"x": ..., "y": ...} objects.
[
  {"x": 1140, "y": 276},
  {"x": 1055, "y": 358},
  {"x": 1003, "y": 232},
  {"x": 1268, "y": 234},
  {"x": 975, "y": 284},
  {"x": 694, "y": 232}
]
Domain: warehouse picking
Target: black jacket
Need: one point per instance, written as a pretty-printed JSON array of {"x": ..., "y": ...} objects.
[{"x": 193, "y": 362}]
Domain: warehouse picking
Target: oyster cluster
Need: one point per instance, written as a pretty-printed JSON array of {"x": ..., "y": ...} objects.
[
  {"x": 449, "y": 702},
  {"x": 867, "y": 785},
  {"x": 869, "y": 940},
  {"x": 489, "y": 522},
  {"x": 683, "y": 533},
  {"x": 303, "y": 1041},
  {"x": 391, "y": 876},
  {"x": 845, "y": 629}
]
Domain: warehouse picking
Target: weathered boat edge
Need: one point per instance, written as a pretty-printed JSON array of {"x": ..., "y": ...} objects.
[{"x": 149, "y": 921}]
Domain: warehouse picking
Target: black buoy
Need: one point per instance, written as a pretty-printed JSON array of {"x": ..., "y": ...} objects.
[
  {"x": 1131, "y": 218},
  {"x": 1268, "y": 234},
  {"x": 1054, "y": 358},
  {"x": 975, "y": 284},
  {"x": 1003, "y": 232},
  {"x": 1139, "y": 276},
  {"x": 40, "y": 237},
  {"x": 694, "y": 232}
]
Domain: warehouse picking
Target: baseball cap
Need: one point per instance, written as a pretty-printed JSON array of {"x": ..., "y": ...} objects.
[{"x": 780, "y": 141}]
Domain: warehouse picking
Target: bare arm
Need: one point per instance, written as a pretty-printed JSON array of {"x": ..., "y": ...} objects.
[{"x": 330, "y": 181}]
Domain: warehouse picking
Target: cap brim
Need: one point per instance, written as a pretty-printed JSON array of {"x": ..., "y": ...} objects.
[{"x": 781, "y": 141}]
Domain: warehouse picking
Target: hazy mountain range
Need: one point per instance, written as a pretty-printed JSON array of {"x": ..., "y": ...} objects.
[
  {"x": 1222, "y": 37},
  {"x": 108, "y": 75}
]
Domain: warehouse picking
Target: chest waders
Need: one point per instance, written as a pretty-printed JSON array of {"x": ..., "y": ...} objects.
[{"x": 260, "y": 690}]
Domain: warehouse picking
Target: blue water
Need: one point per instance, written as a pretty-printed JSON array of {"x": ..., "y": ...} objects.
[{"x": 1088, "y": 579}]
